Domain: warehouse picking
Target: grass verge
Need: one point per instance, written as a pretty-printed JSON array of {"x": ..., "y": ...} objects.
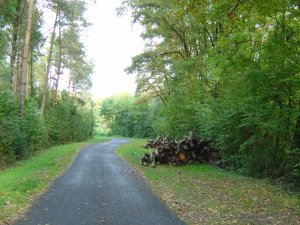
[
  {"x": 204, "y": 194},
  {"x": 19, "y": 184}
]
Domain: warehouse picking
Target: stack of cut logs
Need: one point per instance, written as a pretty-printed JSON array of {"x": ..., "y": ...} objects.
[{"x": 188, "y": 150}]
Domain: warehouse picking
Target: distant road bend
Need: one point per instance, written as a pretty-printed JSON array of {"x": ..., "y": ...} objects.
[{"x": 99, "y": 188}]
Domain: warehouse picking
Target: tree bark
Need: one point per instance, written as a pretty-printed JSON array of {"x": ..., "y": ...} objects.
[
  {"x": 13, "y": 56},
  {"x": 17, "y": 80},
  {"x": 69, "y": 82},
  {"x": 59, "y": 65},
  {"x": 31, "y": 77},
  {"x": 25, "y": 59}
]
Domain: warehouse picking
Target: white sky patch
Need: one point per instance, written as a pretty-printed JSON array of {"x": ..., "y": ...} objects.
[{"x": 111, "y": 42}]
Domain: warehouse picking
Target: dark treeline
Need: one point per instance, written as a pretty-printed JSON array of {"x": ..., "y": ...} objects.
[{"x": 44, "y": 77}]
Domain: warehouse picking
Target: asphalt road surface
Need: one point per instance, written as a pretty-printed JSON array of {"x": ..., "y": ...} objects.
[{"x": 99, "y": 188}]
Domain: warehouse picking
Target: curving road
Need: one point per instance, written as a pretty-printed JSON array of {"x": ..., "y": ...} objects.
[{"x": 99, "y": 188}]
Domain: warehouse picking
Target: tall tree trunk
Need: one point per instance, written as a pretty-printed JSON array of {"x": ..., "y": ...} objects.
[
  {"x": 69, "y": 84},
  {"x": 17, "y": 80},
  {"x": 59, "y": 66},
  {"x": 25, "y": 59},
  {"x": 13, "y": 56},
  {"x": 48, "y": 65},
  {"x": 31, "y": 76}
]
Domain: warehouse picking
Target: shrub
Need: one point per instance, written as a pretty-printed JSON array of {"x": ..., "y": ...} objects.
[{"x": 12, "y": 141}]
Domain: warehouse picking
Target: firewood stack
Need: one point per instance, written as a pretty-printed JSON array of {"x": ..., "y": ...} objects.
[{"x": 188, "y": 150}]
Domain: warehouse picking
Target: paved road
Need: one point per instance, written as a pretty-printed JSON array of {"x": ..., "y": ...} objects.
[{"x": 99, "y": 188}]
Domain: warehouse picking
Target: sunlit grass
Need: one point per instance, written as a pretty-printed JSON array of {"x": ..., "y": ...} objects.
[{"x": 29, "y": 177}]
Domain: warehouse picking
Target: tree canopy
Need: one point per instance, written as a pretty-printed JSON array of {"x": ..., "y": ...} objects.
[
  {"x": 229, "y": 70},
  {"x": 121, "y": 115},
  {"x": 42, "y": 107},
  {"x": 224, "y": 69}
]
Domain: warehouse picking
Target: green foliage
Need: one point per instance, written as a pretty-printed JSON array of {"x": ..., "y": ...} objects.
[
  {"x": 69, "y": 121},
  {"x": 292, "y": 168},
  {"x": 228, "y": 70},
  {"x": 122, "y": 117},
  {"x": 34, "y": 129},
  {"x": 4, "y": 79},
  {"x": 19, "y": 137},
  {"x": 11, "y": 138}
]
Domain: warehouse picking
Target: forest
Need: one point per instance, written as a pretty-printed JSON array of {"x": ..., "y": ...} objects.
[
  {"x": 222, "y": 69},
  {"x": 227, "y": 70},
  {"x": 44, "y": 77}
]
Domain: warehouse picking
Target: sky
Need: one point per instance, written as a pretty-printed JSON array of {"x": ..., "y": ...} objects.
[{"x": 111, "y": 42}]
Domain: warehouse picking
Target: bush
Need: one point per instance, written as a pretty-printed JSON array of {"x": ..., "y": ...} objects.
[
  {"x": 12, "y": 141},
  {"x": 34, "y": 129},
  {"x": 292, "y": 167},
  {"x": 69, "y": 122},
  {"x": 20, "y": 137}
]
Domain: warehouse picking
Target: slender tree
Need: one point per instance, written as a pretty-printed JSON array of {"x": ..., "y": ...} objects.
[
  {"x": 59, "y": 63},
  {"x": 14, "y": 42},
  {"x": 25, "y": 59}
]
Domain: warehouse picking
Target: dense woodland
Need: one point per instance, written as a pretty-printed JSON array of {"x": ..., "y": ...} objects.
[
  {"x": 224, "y": 69},
  {"x": 44, "y": 77}
]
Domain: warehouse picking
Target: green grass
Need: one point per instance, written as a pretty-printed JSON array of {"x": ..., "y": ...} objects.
[
  {"x": 19, "y": 184},
  {"x": 197, "y": 194},
  {"x": 202, "y": 194}
]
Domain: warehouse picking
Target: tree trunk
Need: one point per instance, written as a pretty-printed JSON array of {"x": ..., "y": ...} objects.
[
  {"x": 17, "y": 80},
  {"x": 16, "y": 24},
  {"x": 48, "y": 65},
  {"x": 69, "y": 82},
  {"x": 59, "y": 65},
  {"x": 31, "y": 77},
  {"x": 25, "y": 59}
]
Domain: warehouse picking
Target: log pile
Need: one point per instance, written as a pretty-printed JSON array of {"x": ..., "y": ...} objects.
[{"x": 187, "y": 150}]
